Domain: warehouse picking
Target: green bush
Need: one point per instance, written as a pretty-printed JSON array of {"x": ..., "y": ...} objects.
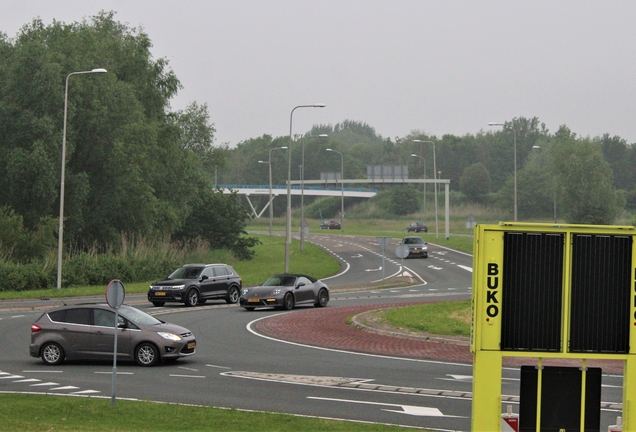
[{"x": 134, "y": 260}]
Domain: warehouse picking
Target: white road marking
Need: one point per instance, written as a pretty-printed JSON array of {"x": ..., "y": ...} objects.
[
  {"x": 8, "y": 376},
  {"x": 45, "y": 384},
  {"x": 65, "y": 388},
  {"x": 187, "y": 376},
  {"x": 470, "y": 269},
  {"x": 405, "y": 409},
  {"x": 118, "y": 373},
  {"x": 215, "y": 366}
]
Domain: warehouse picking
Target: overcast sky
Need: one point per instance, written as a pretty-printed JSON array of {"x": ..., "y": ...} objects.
[{"x": 399, "y": 65}]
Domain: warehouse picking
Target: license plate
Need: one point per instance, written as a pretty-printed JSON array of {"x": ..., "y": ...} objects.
[
  {"x": 160, "y": 293},
  {"x": 192, "y": 345},
  {"x": 253, "y": 300}
]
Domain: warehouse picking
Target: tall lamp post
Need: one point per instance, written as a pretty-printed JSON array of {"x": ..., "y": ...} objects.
[
  {"x": 302, "y": 194},
  {"x": 341, "y": 187},
  {"x": 271, "y": 204},
  {"x": 291, "y": 138},
  {"x": 60, "y": 241},
  {"x": 514, "y": 131},
  {"x": 424, "y": 203},
  {"x": 435, "y": 185}
]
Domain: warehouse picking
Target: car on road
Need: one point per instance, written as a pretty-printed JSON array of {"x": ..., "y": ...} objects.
[
  {"x": 195, "y": 284},
  {"x": 417, "y": 246},
  {"x": 88, "y": 332},
  {"x": 331, "y": 224},
  {"x": 417, "y": 227},
  {"x": 284, "y": 291}
]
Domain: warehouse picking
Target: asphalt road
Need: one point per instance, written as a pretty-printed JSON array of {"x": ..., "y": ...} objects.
[{"x": 237, "y": 367}]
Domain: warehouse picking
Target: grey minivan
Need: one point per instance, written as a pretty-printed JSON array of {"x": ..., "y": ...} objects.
[{"x": 88, "y": 332}]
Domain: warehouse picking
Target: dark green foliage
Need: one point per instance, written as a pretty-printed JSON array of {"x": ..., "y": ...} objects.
[
  {"x": 328, "y": 208},
  {"x": 132, "y": 166},
  {"x": 220, "y": 220},
  {"x": 584, "y": 181},
  {"x": 475, "y": 182},
  {"x": 20, "y": 244},
  {"x": 404, "y": 200}
]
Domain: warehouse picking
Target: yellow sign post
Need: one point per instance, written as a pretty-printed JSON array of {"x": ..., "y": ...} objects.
[{"x": 547, "y": 291}]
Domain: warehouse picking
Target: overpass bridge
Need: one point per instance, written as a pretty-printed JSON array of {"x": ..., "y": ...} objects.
[
  {"x": 321, "y": 188},
  {"x": 249, "y": 190}
]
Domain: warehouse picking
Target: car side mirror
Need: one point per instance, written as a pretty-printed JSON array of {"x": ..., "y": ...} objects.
[
  {"x": 204, "y": 277},
  {"x": 300, "y": 284}
]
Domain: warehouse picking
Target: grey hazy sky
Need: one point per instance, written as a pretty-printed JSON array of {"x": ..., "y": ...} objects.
[{"x": 399, "y": 65}]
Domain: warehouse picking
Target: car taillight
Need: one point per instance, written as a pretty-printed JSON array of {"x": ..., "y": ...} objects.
[{"x": 35, "y": 328}]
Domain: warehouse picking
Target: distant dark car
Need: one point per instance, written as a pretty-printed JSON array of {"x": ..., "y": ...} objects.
[
  {"x": 88, "y": 332},
  {"x": 195, "y": 284},
  {"x": 332, "y": 224},
  {"x": 284, "y": 291},
  {"x": 417, "y": 227},
  {"x": 417, "y": 246}
]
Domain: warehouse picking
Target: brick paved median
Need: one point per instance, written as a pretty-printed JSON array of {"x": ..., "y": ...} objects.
[{"x": 328, "y": 328}]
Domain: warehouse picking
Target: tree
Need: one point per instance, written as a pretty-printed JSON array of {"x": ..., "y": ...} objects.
[
  {"x": 475, "y": 182},
  {"x": 584, "y": 181},
  {"x": 132, "y": 166},
  {"x": 403, "y": 200},
  {"x": 220, "y": 220}
]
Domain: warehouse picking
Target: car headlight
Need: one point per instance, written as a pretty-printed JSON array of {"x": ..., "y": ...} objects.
[
  {"x": 244, "y": 291},
  {"x": 276, "y": 291},
  {"x": 178, "y": 287},
  {"x": 170, "y": 336}
]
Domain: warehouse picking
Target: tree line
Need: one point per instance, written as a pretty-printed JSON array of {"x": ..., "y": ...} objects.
[{"x": 592, "y": 179}]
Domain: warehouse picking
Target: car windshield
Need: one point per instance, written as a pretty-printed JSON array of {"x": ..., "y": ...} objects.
[
  {"x": 280, "y": 281},
  {"x": 137, "y": 316},
  {"x": 186, "y": 273},
  {"x": 413, "y": 240}
]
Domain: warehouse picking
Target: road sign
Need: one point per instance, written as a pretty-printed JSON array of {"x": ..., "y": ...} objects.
[
  {"x": 115, "y": 294},
  {"x": 384, "y": 242},
  {"x": 402, "y": 251}
]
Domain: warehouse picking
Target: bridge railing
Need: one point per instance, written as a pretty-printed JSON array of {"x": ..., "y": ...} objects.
[{"x": 295, "y": 187}]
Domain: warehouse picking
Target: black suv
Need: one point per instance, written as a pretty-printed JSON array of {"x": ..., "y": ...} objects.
[
  {"x": 194, "y": 284},
  {"x": 417, "y": 227}
]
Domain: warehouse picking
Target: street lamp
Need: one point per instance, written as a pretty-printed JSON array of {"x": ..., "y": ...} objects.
[
  {"x": 341, "y": 186},
  {"x": 435, "y": 177},
  {"x": 60, "y": 241},
  {"x": 424, "y": 212},
  {"x": 515, "y": 161},
  {"x": 291, "y": 138},
  {"x": 302, "y": 194},
  {"x": 553, "y": 188},
  {"x": 271, "y": 204}
]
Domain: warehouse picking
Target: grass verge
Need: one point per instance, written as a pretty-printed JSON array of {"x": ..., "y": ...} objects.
[
  {"x": 451, "y": 318},
  {"x": 58, "y": 413}
]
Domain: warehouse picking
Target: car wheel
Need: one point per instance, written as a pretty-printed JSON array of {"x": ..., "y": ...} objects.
[
  {"x": 250, "y": 309},
  {"x": 233, "y": 295},
  {"x": 52, "y": 354},
  {"x": 288, "y": 301},
  {"x": 147, "y": 354},
  {"x": 323, "y": 298},
  {"x": 192, "y": 298},
  {"x": 158, "y": 303}
]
